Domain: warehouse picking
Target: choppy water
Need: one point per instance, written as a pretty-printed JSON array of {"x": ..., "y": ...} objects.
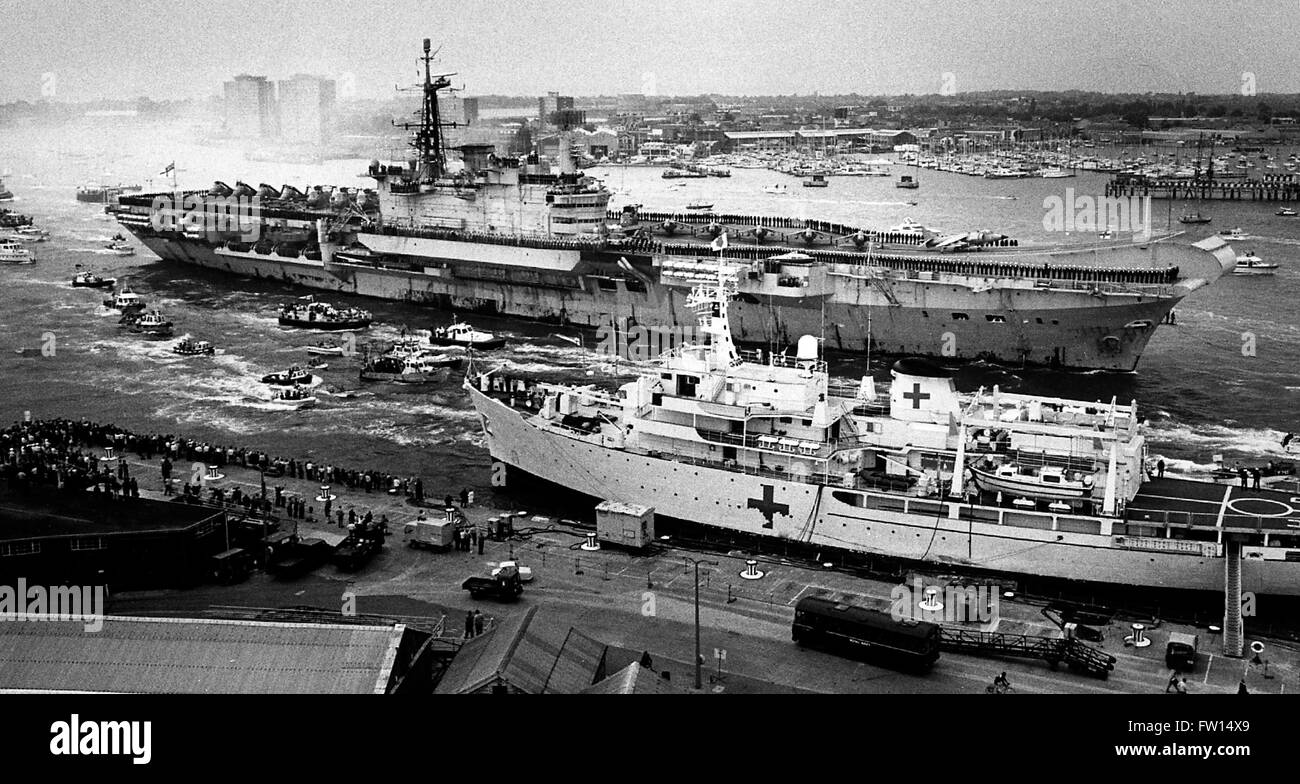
[{"x": 1201, "y": 394}]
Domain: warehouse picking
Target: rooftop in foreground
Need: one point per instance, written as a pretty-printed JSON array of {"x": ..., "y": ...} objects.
[{"x": 197, "y": 656}]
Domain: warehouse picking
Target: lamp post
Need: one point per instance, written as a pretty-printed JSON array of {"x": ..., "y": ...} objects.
[{"x": 698, "y": 683}]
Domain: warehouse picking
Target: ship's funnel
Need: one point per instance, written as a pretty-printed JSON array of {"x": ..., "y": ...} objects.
[{"x": 921, "y": 392}]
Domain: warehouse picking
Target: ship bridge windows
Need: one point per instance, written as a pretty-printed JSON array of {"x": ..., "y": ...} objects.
[{"x": 686, "y": 385}]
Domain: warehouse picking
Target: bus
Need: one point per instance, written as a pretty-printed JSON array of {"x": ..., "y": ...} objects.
[{"x": 859, "y": 631}]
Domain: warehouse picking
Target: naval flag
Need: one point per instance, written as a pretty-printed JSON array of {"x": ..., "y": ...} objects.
[
  {"x": 170, "y": 168},
  {"x": 720, "y": 244}
]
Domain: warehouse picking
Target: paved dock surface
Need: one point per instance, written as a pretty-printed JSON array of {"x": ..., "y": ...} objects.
[{"x": 646, "y": 603}]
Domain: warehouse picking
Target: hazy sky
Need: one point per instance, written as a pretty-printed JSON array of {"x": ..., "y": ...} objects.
[{"x": 186, "y": 48}]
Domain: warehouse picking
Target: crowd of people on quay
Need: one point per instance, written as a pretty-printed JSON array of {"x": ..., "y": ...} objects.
[{"x": 70, "y": 453}]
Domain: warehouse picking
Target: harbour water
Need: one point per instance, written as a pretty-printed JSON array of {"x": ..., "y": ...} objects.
[{"x": 1197, "y": 384}]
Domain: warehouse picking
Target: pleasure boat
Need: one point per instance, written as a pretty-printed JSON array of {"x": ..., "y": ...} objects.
[
  {"x": 1235, "y": 233},
  {"x": 777, "y": 189},
  {"x": 907, "y": 181},
  {"x": 296, "y": 397},
  {"x": 152, "y": 324},
  {"x": 14, "y": 253},
  {"x": 192, "y": 348},
  {"x": 119, "y": 249},
  {"x": 126, "y": 301},
  {"x": 1287, "y": 212},
  {"x": 322, "y": 315},
  {"x": 287, "y": 378},
  {"x": 1194, "y": 218},
  {"x": 699, "y": 206},
  {"x": 417, "y": 369},
  {"x": 29, "y": 234},
  {"x": 89, "y": 280},
  {"x": 465, "y": 336},
  {"x": 1250, "y": 264}
]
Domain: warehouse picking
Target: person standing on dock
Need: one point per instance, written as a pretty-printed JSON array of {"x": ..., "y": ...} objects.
[
  {"x": 469, "y": 624},
  {"x": 478, "y": 623},
  {"x": 1160, "y": 468},
  {"x": 1255, "y": 475},
  {"x": 464, "y": 497},
  {"x": 1173, "y": 682}
]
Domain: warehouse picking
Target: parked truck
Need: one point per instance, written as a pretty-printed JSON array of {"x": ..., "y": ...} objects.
[
  {"x": 295, "y": 557},
  {"x": 433, "y": 534},
  {"x": 363, "y": 542},
  {"x": 504, "y": 585}
]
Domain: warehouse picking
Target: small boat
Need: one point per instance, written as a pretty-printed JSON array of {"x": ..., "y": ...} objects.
[
  {"x": 326, "y": 348},
  {"x": 1250, "y": 264},
  {"x": 119, "y": 249},
  {"x": 1053, "y": 174},
  {"x": 287, "y": 378},
  {"x": 777, "y": 189},
  {"x": 89, "y": 280},
  {"x": 1287, "y": 212},
  {"x": 423, "y": 369},
  {"x": 193, "y": 348},
  {"x": 29, "y": 234},
  {"x": 296, "y": 396},
  {"x": 322, "y": 315},
  {"x": 152, "y": 324},
  {"x": 816, "y": 181},
  {"x": 5, "y": 193},
  {"x": 14, "y": 253},
  {"x": 1234, "y": 233},
  {"x": 126, "y": 301},
  {"x": 699, "y": 206},
  {"x": 462, "y": 334},
  {"x": 1194, "y": 218},
  {"x": 907, "y": 181},
  {"x": 1046, "y": 482}
]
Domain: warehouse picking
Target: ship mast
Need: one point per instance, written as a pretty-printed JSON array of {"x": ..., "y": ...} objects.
[{"x": 431, "y": 157}]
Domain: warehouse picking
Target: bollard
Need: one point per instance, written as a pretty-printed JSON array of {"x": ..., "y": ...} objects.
[
  {"x": 751, "y": 571},
  {"x": 213, "y": 476},
  {"x": 591, "y": 545}
]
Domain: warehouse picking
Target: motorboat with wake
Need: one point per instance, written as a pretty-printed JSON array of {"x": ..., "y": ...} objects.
[
  {"x": 291, "y": 377},
  {"x": 126, "y": 301},
  {"x": 89, "y": 280},
  {"x": 322, "y": 315},
  {"x": 465, "y": 336},
  {"x": 190, "y": 347},
  {"x": 152, "y": 324},
  {"x": 327, "y": 348},
  {"x": 1250, "y": 264},
  {"x": 420, "y": 369},
  {"x": 296, "y": 397}
]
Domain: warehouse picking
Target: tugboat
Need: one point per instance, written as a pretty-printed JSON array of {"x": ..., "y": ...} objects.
[
  {"x": 190, "y": 347},
  {"x": 288, "y": 378},
  {"x": 14, "y": 253},
  {"x": 465, "y": 336},
  {"x": 89, "y": 280},
  {"x": 296, "y": 396},
  {"x": 816, "y": 181},
  {"x": 152, "y": 324},
  {"x": 126, "y": 301},
  {"x": 322, "y": 315}
]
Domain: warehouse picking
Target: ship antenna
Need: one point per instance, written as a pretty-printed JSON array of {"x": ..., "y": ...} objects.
[{"x": 428, "y": 139}]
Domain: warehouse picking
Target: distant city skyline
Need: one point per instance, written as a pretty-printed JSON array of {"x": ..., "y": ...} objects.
[{"x": 76, "y": 51}]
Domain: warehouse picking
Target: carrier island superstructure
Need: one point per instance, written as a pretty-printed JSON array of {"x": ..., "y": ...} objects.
[
  {"x": 770, "y": 447},
  {"x": 509, "y": 236}
]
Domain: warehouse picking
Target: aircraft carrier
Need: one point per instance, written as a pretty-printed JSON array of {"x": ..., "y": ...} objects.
[{"x": 515, "y": 237}]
